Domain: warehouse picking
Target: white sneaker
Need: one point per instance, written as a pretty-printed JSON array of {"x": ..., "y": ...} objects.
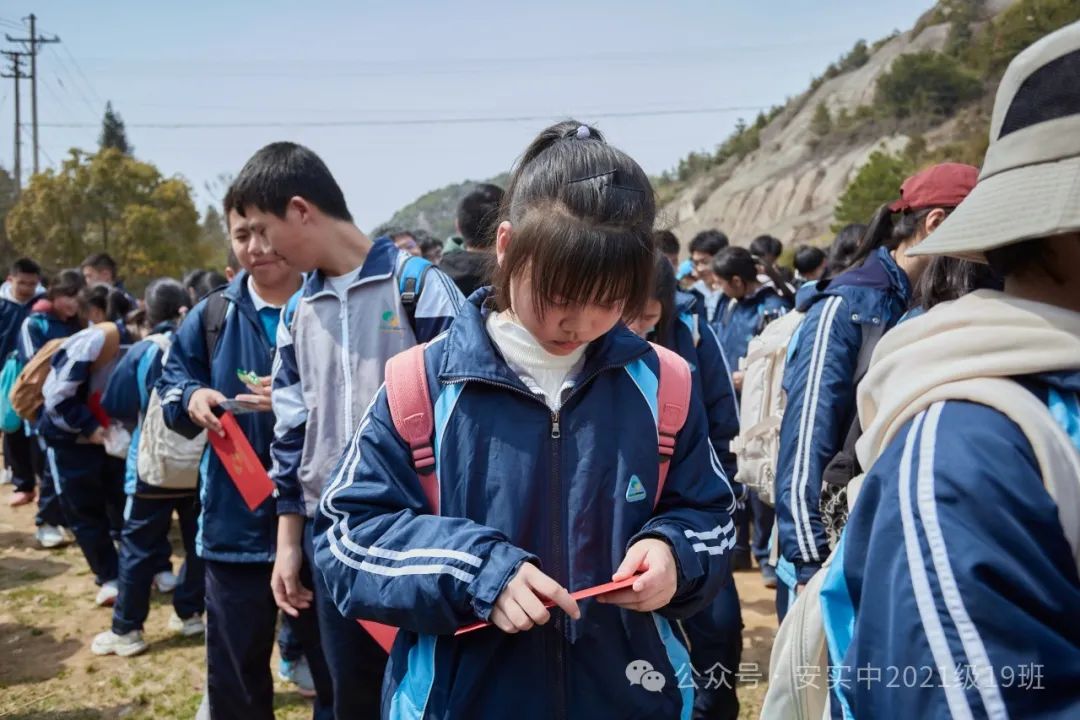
[
  {"x": 189, "y": 627},
  {"x": 50, "y": 536},
  {"x": 69, "y": 537},
  {"x": 107, "y": 595},
  {"x": 165, "y": 581},
  {"x": 109, "y": 643},
  {"x": 6, "y": 476}
]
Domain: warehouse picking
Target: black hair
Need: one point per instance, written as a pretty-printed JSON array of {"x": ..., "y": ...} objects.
[
  {"x": 808, "y": 259},
  {"x": 735, "y": 262},
  {"x": 582, "y": 214},
  {"x": 25, "y": 266},
  {"x": 192, "y": 278},
  {"x": 888, "y": 232},
  {"x": 949, "y": 278},
  {"x": 478, "y": 215},
  {"x": 709, "y": 242},
  {"x": 1022, "y": 257},
  {"x": 66, "y": 283},
  {"x": 164, "y": 299},
  {"x": 843, "y": 247},
  {"x": 765, "y": 246},
  {"x": 666, "y": 242},
  {"x": 664, "y": 286},
  {"x": 94, "y": 296},
  {"x": 232, "y": 262},
  {"x": 208, "y": 282},
  {"x": 118, "y": 304},
  {"x": 100, "y": 261},
  {"x": 281, "y": 171}
]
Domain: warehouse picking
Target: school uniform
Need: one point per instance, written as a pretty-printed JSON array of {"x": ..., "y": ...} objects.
[
  {"x": 819, "y": 380},
  {"x": 36, "y": 330},
  {"x": 318, "y": 400},
  {"x": 90, "y": 482},
  {"x": 714, "y": 634},
  {"x": 17, "y": 444},
  {"x": 236, "y": 544},
  {"x": 569, "y": 489},
  {"x": 144, "y": 546}
]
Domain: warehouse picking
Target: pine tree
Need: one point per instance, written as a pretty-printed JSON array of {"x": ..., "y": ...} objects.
[{"x": 113, "y": 134}]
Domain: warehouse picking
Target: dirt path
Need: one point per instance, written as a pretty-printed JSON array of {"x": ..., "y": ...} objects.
[{"x": 48, "y": 617}]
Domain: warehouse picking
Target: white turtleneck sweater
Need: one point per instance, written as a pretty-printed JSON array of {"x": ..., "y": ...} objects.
[{"x": 543, "y": 373}]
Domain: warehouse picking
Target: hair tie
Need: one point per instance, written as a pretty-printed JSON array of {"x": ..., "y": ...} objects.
[{"x": 583, "y": 132}]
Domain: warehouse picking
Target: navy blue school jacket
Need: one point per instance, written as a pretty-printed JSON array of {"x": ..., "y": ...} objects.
[
  {"x": 41, "y": 327},
  {"x": 820, "y": 383},
  {"x": 737, "y": 322},
  {"x": 570, "y": 491},
  {"x": 12, "y": 315},
  {"x": 228, "y": 530},
  {"x": 954, "y": 557}
]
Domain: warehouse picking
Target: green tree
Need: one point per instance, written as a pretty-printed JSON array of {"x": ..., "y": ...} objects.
[
  {"x": 926, "y": 83},
  {"x": 113, "y": 133},
  {"x": 876, "y": 183},
  {"x": 821, "y": 124},
  {"x": 213, "y": 239},
  {"x": 114, "y": 203}
]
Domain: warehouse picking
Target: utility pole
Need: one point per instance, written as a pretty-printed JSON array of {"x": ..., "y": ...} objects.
[
  {"x": 33, "y": 41},
  {"x": 17, "y": 75}
]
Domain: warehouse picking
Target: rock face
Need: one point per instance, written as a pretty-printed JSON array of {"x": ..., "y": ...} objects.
[{"x": 789, "y": 185}]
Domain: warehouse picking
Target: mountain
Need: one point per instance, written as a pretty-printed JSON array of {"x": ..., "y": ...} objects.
[{"x": 435, "y": 212}]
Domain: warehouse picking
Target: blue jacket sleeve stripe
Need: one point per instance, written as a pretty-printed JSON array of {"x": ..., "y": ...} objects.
[
  {"x": 799, "y": 511},
  {"x": 958, "y": 615},
  {"x": 646, "y": 382},
  {"x": 920, "y": 581}
]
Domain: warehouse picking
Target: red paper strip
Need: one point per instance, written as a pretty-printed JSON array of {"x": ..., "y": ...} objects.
[
  {"x": 94, "y": 404},
  {"x": 579, "y": 595},
  {"x": 382, "y": 634},
  {"x": 241, "y": 462}
]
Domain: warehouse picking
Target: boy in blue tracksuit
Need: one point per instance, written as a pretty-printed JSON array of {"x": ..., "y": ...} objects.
[
  {"x": 750, "y": 306},
  {"x": 230, "y": 331},
  {"x": 676, "y": 320},
  {"x": 21, "y": 290},
  {"x": 60, "y": 320},
  {"x": 90, "y": 482},
  {"x": 844, "y": 319},
  {"x": 356, "y": 310},
  {"x": 144, "y": 544},
  {"x": 545, "y": 416}
]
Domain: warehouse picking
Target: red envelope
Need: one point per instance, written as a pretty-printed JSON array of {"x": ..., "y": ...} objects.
[
  {"x": 579, "y": 595},
  {"x": 241, "y": 462},
  {"x": 382, "y": 634}
]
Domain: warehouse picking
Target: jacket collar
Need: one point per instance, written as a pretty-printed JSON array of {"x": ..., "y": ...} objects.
[
  {"x": 878, "y": 272},
  {"x": 380, "y": 263},
  {"x": 470, "y": 353}
]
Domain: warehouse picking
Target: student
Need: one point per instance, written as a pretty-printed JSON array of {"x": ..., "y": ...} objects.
[
  {"x": 559, "y": 493},
  {"x": 351, "y": 307},
  {"x": 234, "y": 330},
  {"x": 844, "y": 247},
  {"x": 703, "y": 249},
  {"x": 101, "y": 268},
  {"x": 960, "y": 556},
  {"x": 21, "y": 290},
  {"x": 90, "y": 482},
  {"x": 810, "y": 264},
  {"x": 232, "y": 266},
  {"x": 208, "y": 282},
  {"x": 430, "y": 247},
  {"x": 477, "y": 217},
  {"x": 668, "y": 245},
  {"x": 61, "y": 320},
  {"x": 149, "y": 509},
  {"x": 844, "y": 318},
  {"x": 676, "y": 321},
  {"x": 767, "y": 249}
]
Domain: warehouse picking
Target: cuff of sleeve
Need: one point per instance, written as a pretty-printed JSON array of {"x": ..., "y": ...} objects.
[
  {"x": 501, "y": 566},
  {"x": 686, "y": 558},
  {"x": 186, "y": 397},
  {"x": 290, "y": 506},
  {"x": 805, "y": 571}
]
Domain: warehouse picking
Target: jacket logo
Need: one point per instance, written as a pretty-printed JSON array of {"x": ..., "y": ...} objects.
[
  {"x": 390, "y": 322},
  {"x": 635, "y": 491}
]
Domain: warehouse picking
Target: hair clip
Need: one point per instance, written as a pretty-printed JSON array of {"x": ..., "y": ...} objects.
[{"x": 583, "y": 132}]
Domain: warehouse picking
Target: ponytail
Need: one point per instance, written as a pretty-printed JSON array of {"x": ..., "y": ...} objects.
[
  {"x": 777, "y": 280},
  {"x": 884, "y": 232}
]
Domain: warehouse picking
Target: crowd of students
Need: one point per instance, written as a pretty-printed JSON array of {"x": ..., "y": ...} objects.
[{"x": 551, "y": 401}]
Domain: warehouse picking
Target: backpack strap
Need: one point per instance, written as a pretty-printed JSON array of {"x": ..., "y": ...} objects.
[
  {"x": 672, "y": 408},
  {"x": 217, "y": 307},
  {"x": 413, "y": 415},
  {"x": 410, "y": 284},
  {"x": 110, "y": 348}
]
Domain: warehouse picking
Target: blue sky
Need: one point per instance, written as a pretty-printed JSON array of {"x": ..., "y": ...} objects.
[{"x": 368, "y": 85}]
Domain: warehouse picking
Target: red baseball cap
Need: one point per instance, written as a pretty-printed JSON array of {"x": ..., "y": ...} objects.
[{"x": 944, "y": 185}]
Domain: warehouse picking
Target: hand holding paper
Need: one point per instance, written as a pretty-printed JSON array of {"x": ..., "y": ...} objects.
[
  {"x": 520, "y": 606},
  {"x": 241, "y": 462},
  {"x": 656, "y": 585}
]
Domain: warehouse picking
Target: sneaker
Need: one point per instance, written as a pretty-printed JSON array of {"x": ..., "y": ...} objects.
[
  {"x": 109, "y": 643},
  {"x": 6, "y": 476},
  {"x": 21, "y": 498},
  {"x": 768, "y": 575},
  {"x": 107, "y": 595},
  {"x": 69, "y": 537},
  {"x": 50, "y": 536},
  {"x": 189, "y": 627},
  {"x": 298, "y": 673},
  {"x": 165, "y": 581}
]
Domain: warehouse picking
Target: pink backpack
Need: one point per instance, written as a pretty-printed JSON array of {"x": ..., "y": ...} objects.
[{"x": 414, "y": 420}]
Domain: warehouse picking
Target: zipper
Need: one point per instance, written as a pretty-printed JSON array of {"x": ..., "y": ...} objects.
[{"x": 345, "y": 363}]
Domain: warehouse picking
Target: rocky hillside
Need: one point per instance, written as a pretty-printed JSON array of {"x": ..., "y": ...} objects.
[{"x": 435, "y": 212}]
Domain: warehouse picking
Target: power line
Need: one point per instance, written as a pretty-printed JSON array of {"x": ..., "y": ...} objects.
[
  {"x": 75, "y": 88},
  {"x": 33, "y": 42},
  {"x": 416, "y": 121},
  {"x": 78, "y": 67}
]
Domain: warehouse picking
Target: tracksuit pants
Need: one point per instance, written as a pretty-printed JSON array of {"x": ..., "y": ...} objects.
[{"x": 91, "y": 487}]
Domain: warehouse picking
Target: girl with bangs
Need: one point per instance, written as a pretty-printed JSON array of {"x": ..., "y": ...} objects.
[{"x": 547, "y": 472}]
